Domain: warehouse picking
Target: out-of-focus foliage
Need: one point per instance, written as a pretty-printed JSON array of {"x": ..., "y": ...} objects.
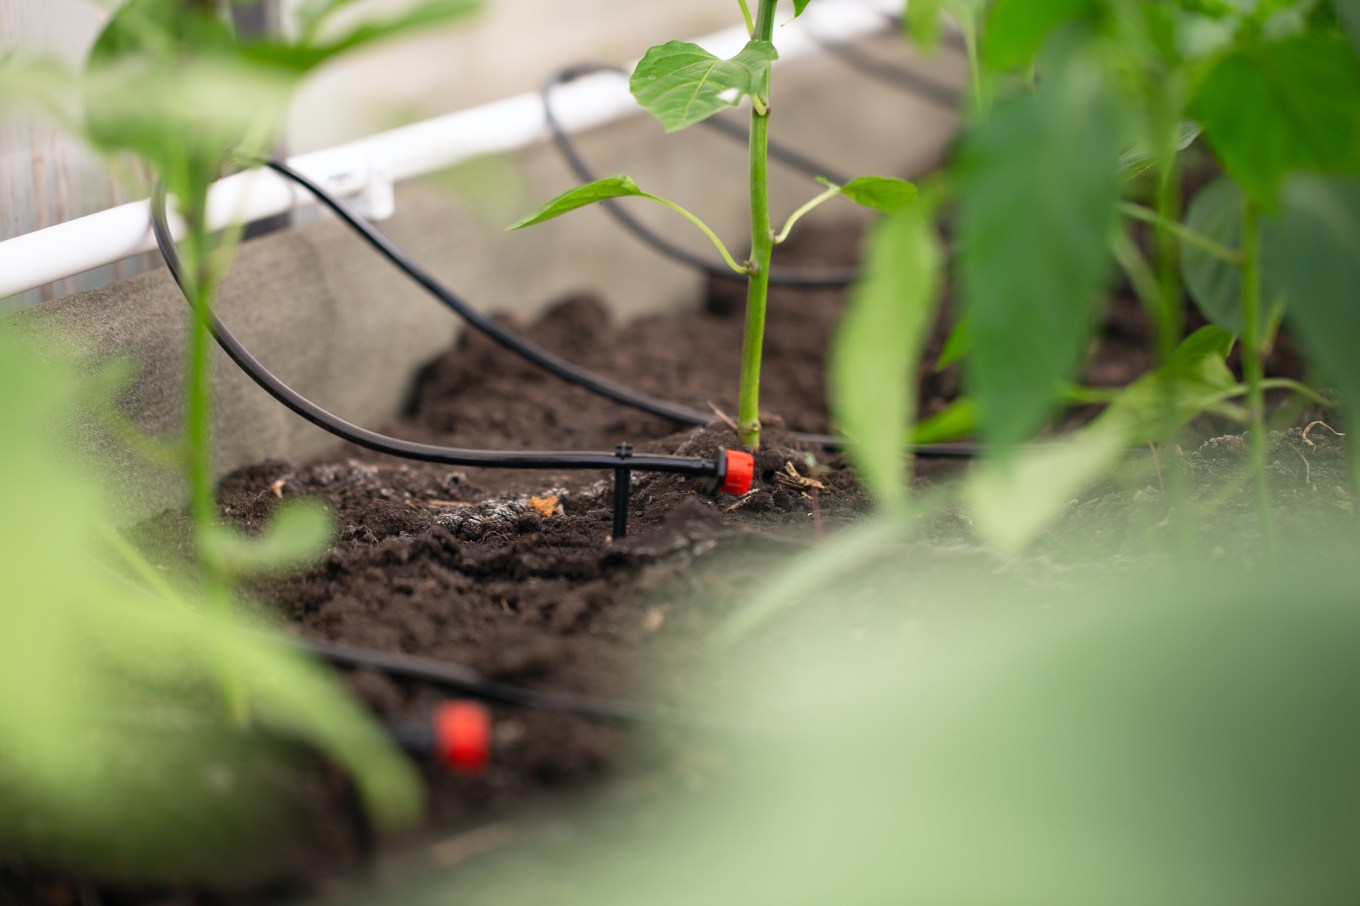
[
  {"x": 115, "y": 755},
  {"x": 1138, "y": 736}
]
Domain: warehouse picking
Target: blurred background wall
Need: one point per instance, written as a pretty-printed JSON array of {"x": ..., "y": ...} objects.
[{"x": 47, "y": 178}]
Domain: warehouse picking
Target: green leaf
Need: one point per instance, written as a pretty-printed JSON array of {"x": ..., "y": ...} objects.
[
  {"x": 682, "y": 84},
  {"x": 1040, "y": 185},
  {"x": 579, "y": 197},
  {"x": 923, "y": 22},
  {"x": 1216, "y": 285},
  {"x": 799, "y": 6},
  {"x": 1283, "y": 106},
  {"x": 1012, "y": 501},
  {"x": 874, "y": 356},
  {"x": 297, "y": 535},
  {"x": 882, "y": 193},
  {"x": 1016, "y": 29},
  {"x": 1315, "y": 259},
  {"x": 306, "y": 56},
  {"x": 956, "y": 345},
  {"x": 958, "y": 419}
]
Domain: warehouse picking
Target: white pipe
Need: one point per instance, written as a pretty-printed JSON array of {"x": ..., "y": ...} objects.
[{"x": 365, "y": 170}]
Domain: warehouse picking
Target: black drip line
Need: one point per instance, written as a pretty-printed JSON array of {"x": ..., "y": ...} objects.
[
  {"x": 914, "y": 83},
  {"x": 509, "y": 459},
  {"x": 539, "y": 356}
]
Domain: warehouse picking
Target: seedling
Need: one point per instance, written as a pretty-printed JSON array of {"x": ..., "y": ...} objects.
[{"x": 681, "y": 84}]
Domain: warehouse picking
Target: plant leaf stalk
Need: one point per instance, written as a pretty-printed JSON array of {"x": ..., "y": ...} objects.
[
  {"x": 762, "y": 248},
  {"x": 1254, "y": 370},
  {"x": 198, "y": 424}
]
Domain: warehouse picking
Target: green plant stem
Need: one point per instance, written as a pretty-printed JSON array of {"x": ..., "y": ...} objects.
[
  {"x": 762, "y": 250},
  {"x": 1254, "y": 370},
  {"x": 202, "y": 287},
  {"x": 1173, "y": 227},
  {"x": 746, "y": 14},
  {"x": 805, "y": 209}
]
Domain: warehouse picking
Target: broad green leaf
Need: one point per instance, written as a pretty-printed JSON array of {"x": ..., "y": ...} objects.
[
  {"x": 682, "y": 84},
  {"x": 1316, "y": 261},
  {"x": 579, "y": 197},
  {"x": 882, "y": 193},
  {"x": 297, "y": 535},
  {"x": 1283, "y": 106},
  {"x": 799, "y": 6},
  {"x": 878, "y": 344},
  {"x": 1016, "y": 29},
  {"x": 1216, "y": 285},
  {"x": 1040, "y": 183}
]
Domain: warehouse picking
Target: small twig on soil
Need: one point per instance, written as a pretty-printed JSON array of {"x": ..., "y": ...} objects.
[
  {"x": 449, "y": 504},
  {"x": 723, "y": 417},
  {"x": 1307, "y": 469},
  {"x": 790, "y": 478},
  {"x": 742, "y": 501},
  {"x": 1317, "y": 424}
]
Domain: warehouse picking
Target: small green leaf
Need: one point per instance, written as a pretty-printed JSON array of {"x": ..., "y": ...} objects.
[
  {"x": 1040, "y": 185},
  {"x": 1315, "y": 260},
  {"x": 958, "y": 419},
  {"x": 1283, "y": 106},
  {"x": 682, "y": 84},
  {"x": 1216, "y": 285},
  {"x": 297, "y": 535},
  {"x": 956, "y": 345},
  {"x": 307, "y": 56},
  {"x": 1016, "y": 29},
  {"x": 799, "y": 6},
  {"x": 579, "y": 197},
  {"x": 882, "y": 193},
  {"x": 878, "y": 344},
  {"x": 923, "y": 22}
]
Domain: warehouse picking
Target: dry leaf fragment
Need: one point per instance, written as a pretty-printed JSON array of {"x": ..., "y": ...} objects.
[
  {"x": 277, "y": 487},
  {"x": 789, "y": 477},
  {"x": 545, "y": 506}
]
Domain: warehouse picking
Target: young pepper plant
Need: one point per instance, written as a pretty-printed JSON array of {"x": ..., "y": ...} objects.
[
  {"x": 681, "y": 84},
  {"x": 170, "y": 83}
]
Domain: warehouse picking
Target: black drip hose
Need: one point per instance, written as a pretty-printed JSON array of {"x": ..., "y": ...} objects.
[
  {"x": 906, "y": 80},
  {"x": 322, "y": 418},
  {"x": 466, "y": 681},
  {"x": 659, "y": 242},
  {"x": 511, "y": 341}
]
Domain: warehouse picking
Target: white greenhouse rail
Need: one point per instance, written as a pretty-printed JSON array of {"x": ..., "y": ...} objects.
[{"x": 365, "y": 171}]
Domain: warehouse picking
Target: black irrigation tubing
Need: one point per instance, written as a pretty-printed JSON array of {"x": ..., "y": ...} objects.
[
  {"x": 530, "y": 351},
  {"x": 659, "y": 242},
  {"x": 915, "y": 83},
  {"x": 621, "y": 462},
  {"x": 467, "y": 681}
]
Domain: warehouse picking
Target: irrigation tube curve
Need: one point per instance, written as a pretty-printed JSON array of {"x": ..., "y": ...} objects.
[
  {"x": 621, "y": 462},
  {"x": 538, "y": 355}
]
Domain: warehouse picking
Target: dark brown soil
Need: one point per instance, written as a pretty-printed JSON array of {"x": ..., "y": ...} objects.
[{"x": 457, "y": 564}]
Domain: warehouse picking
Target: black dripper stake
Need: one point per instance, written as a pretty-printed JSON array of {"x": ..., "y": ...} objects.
[{"x": 622, "y": 476}]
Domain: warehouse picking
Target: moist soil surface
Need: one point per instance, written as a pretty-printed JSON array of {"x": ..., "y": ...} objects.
[{"x": 514, "y": 573}]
